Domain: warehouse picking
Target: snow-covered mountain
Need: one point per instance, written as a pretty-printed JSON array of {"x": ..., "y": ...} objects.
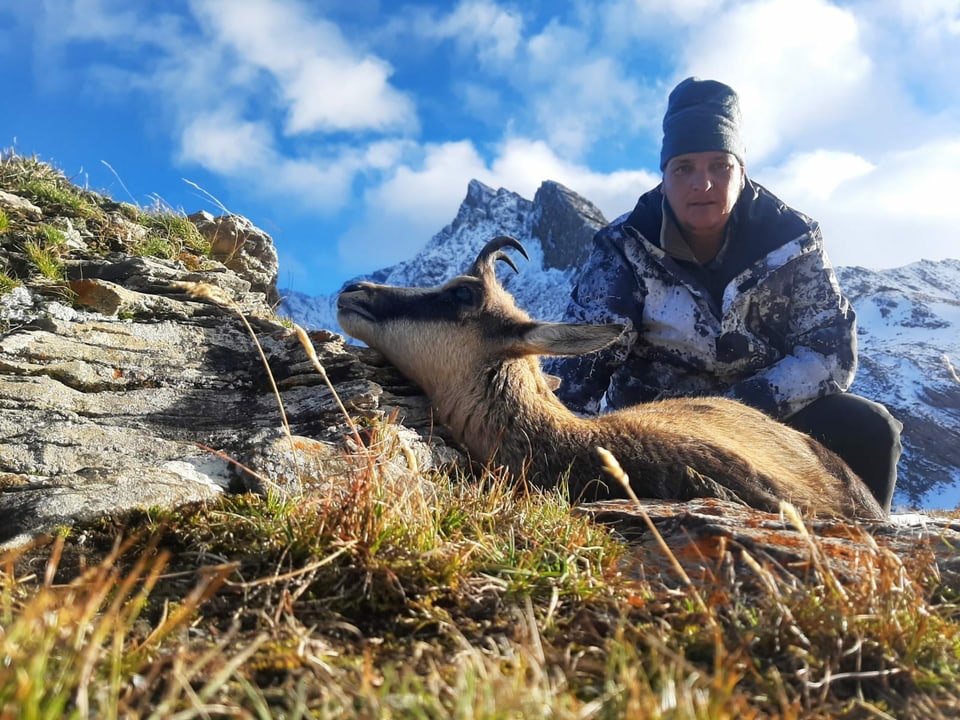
[
  {"x": 556, "y": 229},
  {"x": 908, "y": 317},
  {"x": 909, "y": 336}
]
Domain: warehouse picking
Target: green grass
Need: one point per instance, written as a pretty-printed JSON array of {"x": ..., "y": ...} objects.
[
  {"x": 44, "y": 259},
  {"x": 44, "y": 251},
  {"x": 51, "y": 237},
  {"x": 170, "y": 235},
  {"x": 4, "y": 222},
  {"x": 17, "y": 170},
  {"x": 45, "y": 186},
  {"x": 7, "y": 282},
  {"x": 60, "y": 199}
]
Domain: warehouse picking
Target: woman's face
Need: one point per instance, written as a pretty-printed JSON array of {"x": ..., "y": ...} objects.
[{"x": 702, "y": 189}]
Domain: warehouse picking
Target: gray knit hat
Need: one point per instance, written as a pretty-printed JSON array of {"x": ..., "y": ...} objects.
[{"x": 702, "y": 116}]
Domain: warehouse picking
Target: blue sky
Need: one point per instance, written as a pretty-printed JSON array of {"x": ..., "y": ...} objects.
[{"x": 349, "y": 130}]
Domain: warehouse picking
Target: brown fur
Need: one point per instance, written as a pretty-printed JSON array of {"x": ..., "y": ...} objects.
[{"x": 475, "y": 355}]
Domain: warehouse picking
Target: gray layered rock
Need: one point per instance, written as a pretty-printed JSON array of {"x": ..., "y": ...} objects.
[{"x": 148, "y": 389}]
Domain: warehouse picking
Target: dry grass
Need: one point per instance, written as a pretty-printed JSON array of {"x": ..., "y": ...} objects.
[{"x": 448, "y": 598}]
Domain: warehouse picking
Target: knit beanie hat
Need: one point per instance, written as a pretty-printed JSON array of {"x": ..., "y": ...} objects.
[{"x": 702, "y": 116}]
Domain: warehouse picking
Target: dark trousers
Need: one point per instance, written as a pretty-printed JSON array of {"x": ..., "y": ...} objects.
[{"x": 862, "y": 432}]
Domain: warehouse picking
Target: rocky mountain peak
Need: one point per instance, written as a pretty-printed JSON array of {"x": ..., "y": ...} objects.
[{"x": 565, "y": 224}]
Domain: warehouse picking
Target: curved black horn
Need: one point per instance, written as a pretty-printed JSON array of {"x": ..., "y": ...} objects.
[{"x": 493, "y": 251}]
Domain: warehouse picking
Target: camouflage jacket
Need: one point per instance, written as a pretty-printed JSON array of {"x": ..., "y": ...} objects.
[{"x": 765, "y": 322}]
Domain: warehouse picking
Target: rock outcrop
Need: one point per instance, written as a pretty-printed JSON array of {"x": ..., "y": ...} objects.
[
  {"x": 137, "y": 381},
  {"x": 243, "y": 248},
  {"x": 707, "y": 541},
  {"x": 565, "y": 224}
]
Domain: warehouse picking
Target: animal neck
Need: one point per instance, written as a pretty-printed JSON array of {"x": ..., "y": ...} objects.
[{"x": 508, "y": 416}]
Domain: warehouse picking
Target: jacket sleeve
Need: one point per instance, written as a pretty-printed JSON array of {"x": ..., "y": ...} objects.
[
  {"x": 819, "y": 342},
  {"x": 606, "y": 292}
]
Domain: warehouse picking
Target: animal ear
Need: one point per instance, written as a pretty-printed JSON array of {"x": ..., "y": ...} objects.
[{"x": 568, "y": 338}]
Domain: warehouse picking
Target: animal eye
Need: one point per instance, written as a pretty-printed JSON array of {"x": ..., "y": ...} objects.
[{"x": 462, "y": 294}]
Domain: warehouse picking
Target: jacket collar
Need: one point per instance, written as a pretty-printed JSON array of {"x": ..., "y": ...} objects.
[{"x": 672, "y": 241}]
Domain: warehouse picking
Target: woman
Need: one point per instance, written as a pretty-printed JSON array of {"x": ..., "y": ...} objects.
[{"x": 725, "y": 290}]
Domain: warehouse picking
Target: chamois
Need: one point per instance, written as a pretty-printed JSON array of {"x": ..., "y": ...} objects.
[{"x": 475, "y": 354}]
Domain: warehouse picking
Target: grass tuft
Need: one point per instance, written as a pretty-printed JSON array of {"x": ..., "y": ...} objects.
[
  {"x": 18, "y": 170},
  {"x": 45, "y": 185},
  {"x": 170, "y": 235},
  {"x": 71, "y": 648},
  {"x": 7, "y": 282},
  {"x": 57, "y": 198},
  {"x": 45, "y": 259}
]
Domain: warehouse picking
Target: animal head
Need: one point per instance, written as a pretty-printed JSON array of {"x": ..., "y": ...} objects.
[{"x": 461, "y": 327}]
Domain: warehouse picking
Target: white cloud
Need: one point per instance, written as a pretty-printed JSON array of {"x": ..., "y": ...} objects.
[
  {"x": 103, "y": 20},
  {"x": 386, "y": 154},
  {"x": 522, "y": 165},
  {"x": 412, "y": 205},
  {"x": 590, "y": 101},
  {"x": 554, "y": 47},
  {"x": 920, "y": 182},
  {"x": 477, "y": 26},
  {"x": 931, "y": 17},
  {"x": 627, "y": 19},
  {"x": 417, "y": 201},
  {"x": 325, "y": 83},
  {"x": 798, "y": 66},
  {"x": 247, "y": 152},
  {"x": 816, "y": 175},
  {"x": 333, "y": 94},
  {"x": 226, "y": 145},
  {"x": 564, "y": 86},
  {"x": 887, "y": 212},
  {"x": 317, "y": 183},
  {"x": 915, "y": 47},
  {"x": 430, "y": 190}
]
